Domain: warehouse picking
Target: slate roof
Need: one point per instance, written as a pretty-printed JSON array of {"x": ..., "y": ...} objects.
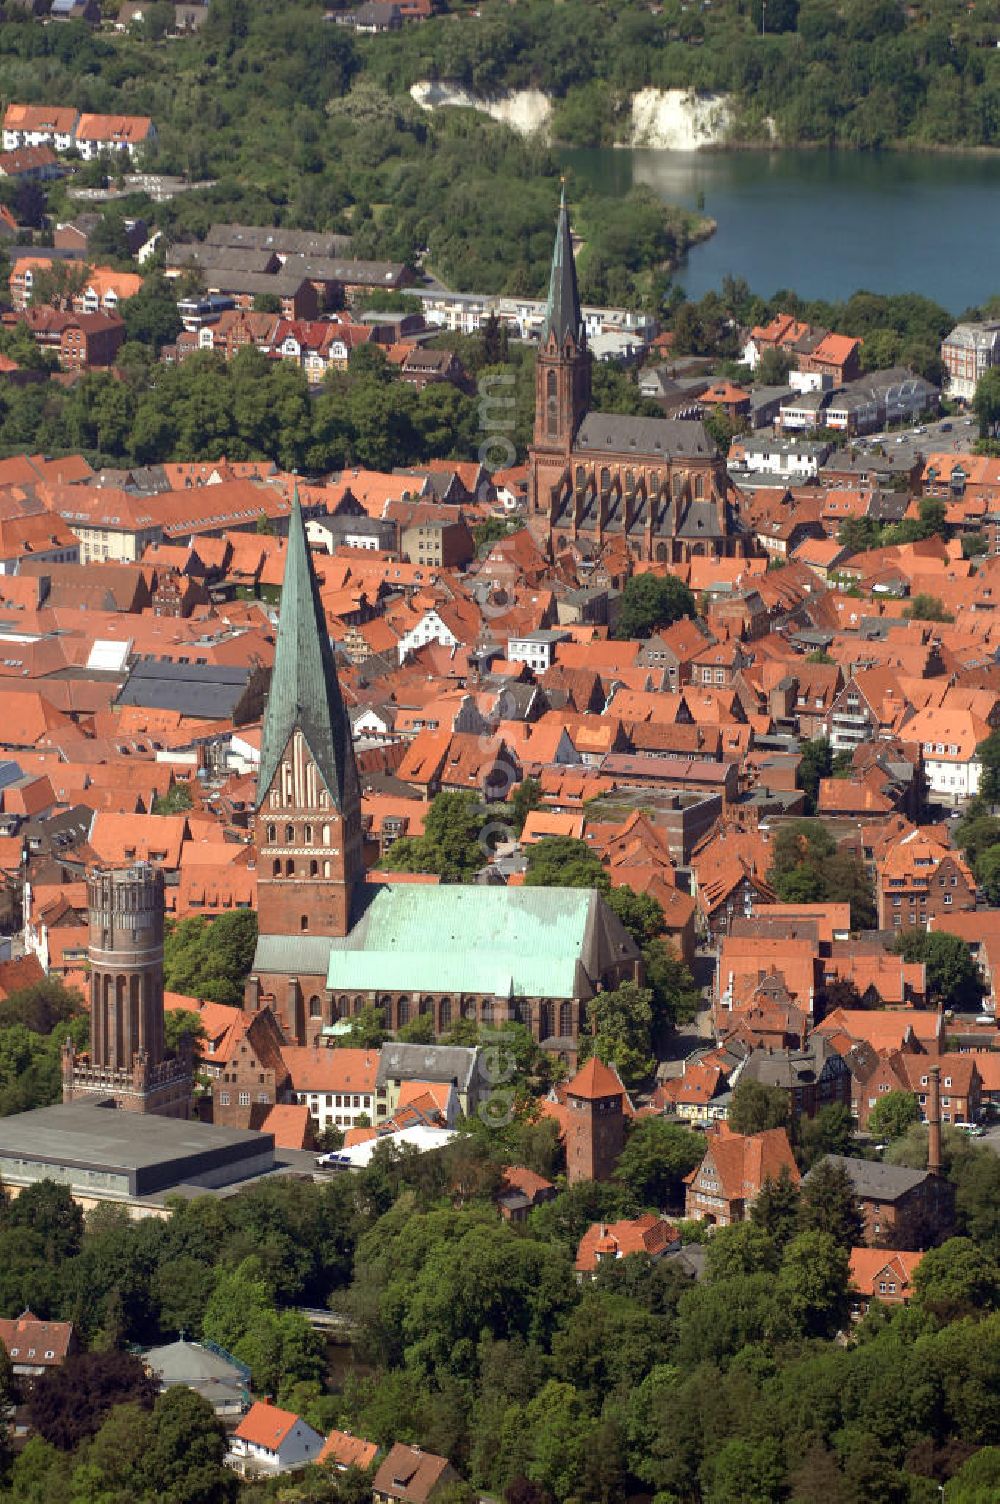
[
  {"x": 876, "y": 1181},
  {"x": 422, "y": 1062},
  {"x": 305, "y": 692},
  {"x": 615, "y": 433},
  {"x": 221, "y": 1380},
  {"x": 211, "y": 691},
  {"x": 562, "y": 309}
]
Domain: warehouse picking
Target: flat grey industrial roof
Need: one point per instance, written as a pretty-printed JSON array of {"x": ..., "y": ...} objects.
[{"x": 84, "y": 1134}]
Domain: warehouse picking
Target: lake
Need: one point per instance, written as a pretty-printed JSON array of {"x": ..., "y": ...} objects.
[{"x": 826, "y": 223}]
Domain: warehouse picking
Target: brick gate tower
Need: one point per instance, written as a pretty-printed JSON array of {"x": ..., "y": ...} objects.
[{"x": 126, "y": 1061}]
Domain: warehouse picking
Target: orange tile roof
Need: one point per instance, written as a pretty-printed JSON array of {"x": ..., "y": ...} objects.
[
  {"x": 290, "y": 1125},
  {"x": 595, "y": 1079},
  {"x": 869, "y": 1265},
  {"x": 322, "y": 1070},
  {"x": 345, "y": 1450},
  {"x": 265, "y": 1425},
  {"x": 644, "y": 1234}
]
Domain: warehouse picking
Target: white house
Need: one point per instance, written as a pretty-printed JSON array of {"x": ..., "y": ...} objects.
[
  {"x": 949, "y": 738},
  {"x": 430, "y": 628},
  {"x": 269, "y": 1441},
  {"x": 536, "y": 649}
]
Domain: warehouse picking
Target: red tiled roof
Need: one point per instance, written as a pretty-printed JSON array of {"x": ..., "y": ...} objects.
[{"x": 265, "y": 1425}]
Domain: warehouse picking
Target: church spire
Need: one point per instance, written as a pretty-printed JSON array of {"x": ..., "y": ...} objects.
[
  {"x": 305, "y": 691},
  {"x": 562, "y": 310}
]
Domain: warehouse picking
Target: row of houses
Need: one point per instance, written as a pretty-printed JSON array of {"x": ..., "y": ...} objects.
[{"x": 65, "y": 128}]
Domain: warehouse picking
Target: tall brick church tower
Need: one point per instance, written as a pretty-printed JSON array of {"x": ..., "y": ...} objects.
[
  {"x": 308, "y": 819},
  {"x": 562, "y": 370},
  {"x": 126, "y": 1063}
]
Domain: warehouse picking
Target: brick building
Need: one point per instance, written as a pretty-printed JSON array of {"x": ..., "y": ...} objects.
[
  {"x": 126, "y": 1063},
  {"x": 658, "y": 484},
  {"x": 331, "y": 944}
]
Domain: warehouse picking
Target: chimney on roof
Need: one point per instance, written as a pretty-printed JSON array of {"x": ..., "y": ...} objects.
[{"x": 934, "y": 1121}]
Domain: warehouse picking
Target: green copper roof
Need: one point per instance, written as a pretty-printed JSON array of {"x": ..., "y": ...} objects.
[
  {"x": 305, "y": 691},
  {"x": 507, "y": 942},
  {"x": 562, "y": 310}
]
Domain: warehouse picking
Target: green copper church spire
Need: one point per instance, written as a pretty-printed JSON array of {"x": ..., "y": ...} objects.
[
  {"x": 562, "y": 310},
  {"x": 305, "y": 691}
]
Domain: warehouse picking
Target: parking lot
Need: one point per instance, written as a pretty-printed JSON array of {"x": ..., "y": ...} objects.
[{"x": 951, "y": 435}]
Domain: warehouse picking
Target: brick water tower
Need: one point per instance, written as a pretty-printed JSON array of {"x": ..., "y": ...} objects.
[{"x": 126, "y": 1063}]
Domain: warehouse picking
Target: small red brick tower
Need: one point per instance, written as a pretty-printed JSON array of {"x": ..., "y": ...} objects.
[
  {"x": 308, "y": 820},
  {"x": 595, "y": 1129},
  {"x": 562, "y": 371}
]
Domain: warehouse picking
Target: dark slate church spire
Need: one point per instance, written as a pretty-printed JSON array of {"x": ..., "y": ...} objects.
[
  {"x": 305, "y": 691},
  {"x": 562, "y": 310}
]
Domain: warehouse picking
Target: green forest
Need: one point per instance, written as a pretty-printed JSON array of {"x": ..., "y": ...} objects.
[
  {"x": 474, "y": 1339},
  {"x": 300, "y": 122}
]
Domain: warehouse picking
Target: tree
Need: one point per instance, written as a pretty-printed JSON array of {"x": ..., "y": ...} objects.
[
  {"x": 812, "y": 1282},
  {"x": 68, "y": 1404},
  {"x": 649, "y": 602},
  {"x": 926, "y": 607},
  {"x": 57, "y": 285},
  {"x": 830, "y": 1131},
  {"x": 829, "y": 1205},
  {"x": 976, "y": 832},
  {"x": 417, "y": 1030},
  {"x": 367, "y": 1031},
  {"x": 175, "y": 801},
  {"x": 859, "y": 534},
  {"x": 656, "y": 1157},
  {"x": 150, "y": 315},
  {"x": 181, "y": 1029},
  {"x": 953, "y": 978},
  {"x": 210, "y": 958},
  {"x": 564, "y": 862},
  {"x": 776, "y": 1209},
  {"x": 893, "y": 1114},
  {"x": 977, "y": 1481},
  {"x": 451, "y": 845},
  {"x": 988, "y": 753},
  {"x": 526, "y": 797},
  {"x": 815, "y": 763},
  {"x": 986, "y": 403},
  {"x": 619, "y": 1032},
  {"x": 49, "y": 1211},
  {"x": 957, "y": 1280},
  {"x": 184, "y": 1463},
  {"x": 806, "y": 867},
  {"x": 744, "y": 1248},
  {"x": 756, "y": 1107}
]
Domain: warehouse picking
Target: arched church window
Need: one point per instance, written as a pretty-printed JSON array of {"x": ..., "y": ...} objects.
[
  {"x": 326, "y": 835},
  {"x": 276, "y": 871},
  {"x": 289, "y": 868},
  {"x": 304, "y": 922},
  {"x": 307, "y": 835},
  {"x": 605, "y": 479},
  {"x": 271, "y": 833},
  {"x": 699, "y": 487},
  {"x": 314, "y": 869},
  {"x": 402, "y": 1012},
  {"x": 289, "y": 834},
  {"x": 677, "y": 487},
  {"x": 552, "y": 404},
  {"x": 566, "y": 1020},
  {"x": 326, "y": 869},
  {"x": 315, "y": 1007}
]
